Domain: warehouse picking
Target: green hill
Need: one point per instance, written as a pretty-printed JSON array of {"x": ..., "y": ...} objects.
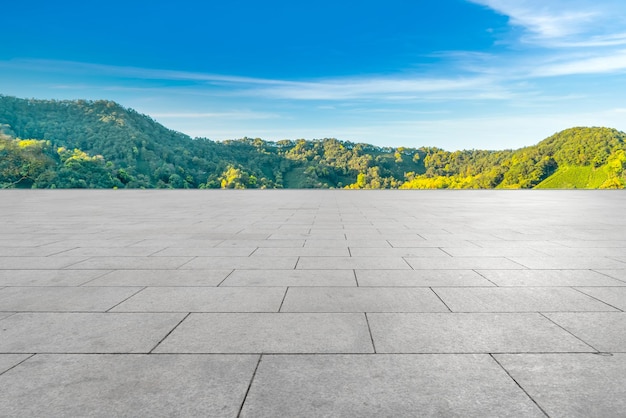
[{"x": 100, "y": 144}]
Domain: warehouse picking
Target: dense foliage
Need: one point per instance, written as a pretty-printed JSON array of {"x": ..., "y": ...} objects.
[{"x": 100, "y": 144}]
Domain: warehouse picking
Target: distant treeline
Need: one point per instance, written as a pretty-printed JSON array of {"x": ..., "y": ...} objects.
[{"x": 100, "y": 144}]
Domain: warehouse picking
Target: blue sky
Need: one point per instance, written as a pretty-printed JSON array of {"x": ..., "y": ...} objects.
[{"x": 456, "y": 74}]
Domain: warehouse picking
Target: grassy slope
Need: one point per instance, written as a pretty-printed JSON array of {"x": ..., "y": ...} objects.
[{"x": 576, "y": 177}]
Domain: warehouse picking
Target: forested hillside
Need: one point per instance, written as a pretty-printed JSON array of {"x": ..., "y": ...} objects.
[{"x": 100, "y": 144}]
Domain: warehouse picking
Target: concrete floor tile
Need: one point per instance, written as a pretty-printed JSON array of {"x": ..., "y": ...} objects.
[
  {"x": 616, "y": 274},
  {"x": 301, "y": 252},
  {"x": 584, "y": 252},
  {"x": 340, "y": 243},
  {"x": 270, "y": 333},
  {"x": 469, "y": 333},
  {"x": 492, "y": 252},
  {"x": 508, "y": 244},
  {"x": 63, "y": 299},
  {"x": 605, "y": 331},
  {"x": 11, "y": 360},
  {"x": 287, "y": 278},
  {"x": 205, "y": 252},
  {"x": 518, "y": 299},
  {"x": 113, "y": 252},
  {"x": 342, "y": 263},
  {"x": 5, "y": 314},
  {"x": 178, "y": 243},
  {"x": 422, "y": 243},
  {"x": 420, "y": 278},
  {"x": 549, "y": 278},
  {"x": 384, "y": 385},
  {"x": 204, "y": 299},
  {"x": 464, "y": 263},
  {"x": 127, "y": 385},
  {"x": 361, "y": 299},
  {"x": 48, "y": 277},
  {"x": 569, "y": 263},
  {"x": 173, "y": 278},
  {"x": 28, "y": 251},
  {"x": 84, "y": 332},
  {"x": 131, "y": 263},
  {"x": 243, "y": 263},
  {"x": 595, "y": 243},
  {"x": 275, "y": 243},
  {"x": 571, "y": 385},
  {"x": 38, "y": 263},
  {"x": 398, "y": 252},
  {"x": 614, "y": 296}
]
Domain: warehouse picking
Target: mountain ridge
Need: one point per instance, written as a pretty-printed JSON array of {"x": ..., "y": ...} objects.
[{"x": 101, "y": 144}]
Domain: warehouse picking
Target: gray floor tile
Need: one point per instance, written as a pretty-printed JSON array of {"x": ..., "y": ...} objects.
[
  {"x": 113, "y": 252},
  {"x": 469, "y": 333},
  {"x": 342, "y": 263},
  {"x": 569, "y": 263},
  {"x": 384, "y": 385},
  {"x": 585, "y": 252},
  {"x": 422, "y": 243},
  {"x": 63, "y": 299},
  {"x": 180, "y": 243},
  {"x": 617, "y": 274},
  {"x": 244, "y": 263},
  {"x": 161, "y": 278},
  {"x": 571, "y": 385},
  {"x": 38, "y": 263},
  {"x": 518, "y": 299},
  {"x": 298, "y": 252},
  {"x": 270, "y": 333},
  {"x": 84, "y": 332},
  {"x": 11, "y": 360},
  {"x": 549, "y": 278},
  {"x": 287, "y": 278},
  {"x": 420, "y": 278},
  {"x": 464, "y": 263},
  {"x": 127, "y": 385},
  {"x": 596, "y": 243},
  {"x": 5, "y": 314},
  {"x": 204, "y": 299},
  {"x": 48, "y": 277},
  {"x": 361, "y": 299},
  {"x": 492, "y": 252},
  {"x": 28, "y": 251},
  {"x": 614, "y": 296},
  {"x": 275, "y": 243},
  {"x": 132, "y": 263},
  {"x": 605, "y": 331},
  {"x": 205, "y": 252},
  {"x": 398, "y": 252},
  {"x": 340, "y": 243}
]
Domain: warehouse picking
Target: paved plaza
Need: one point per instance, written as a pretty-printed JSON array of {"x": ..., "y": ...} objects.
[{"x": 311, "y": 303}]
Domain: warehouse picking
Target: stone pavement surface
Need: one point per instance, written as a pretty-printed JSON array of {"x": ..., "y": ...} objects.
[{"x": 302, "y": 303}]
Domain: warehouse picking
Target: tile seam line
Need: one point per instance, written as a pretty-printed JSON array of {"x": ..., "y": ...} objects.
[
  {"x": 223, "y": 280},
  {"x": 369, "y": 330},
  {"x": 519, "y": 385},
  {"x": 14, "y": 366},
  {"x": 568, "y": 331},
  {"x": 125, "y": 299},
  {"x": 169, "y": 333},
  {"x": 439, "y": 297},
  {"x": 606, "y": 275},
  {"x": 576, "y": 288}
]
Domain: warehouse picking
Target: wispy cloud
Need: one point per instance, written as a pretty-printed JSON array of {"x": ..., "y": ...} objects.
[
  {"x": 243, "y": 115},
  {"x": 565, "y": 23}
]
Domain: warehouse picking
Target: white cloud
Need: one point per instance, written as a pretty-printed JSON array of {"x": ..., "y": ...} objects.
[
  {"x": 610, "y": 63},
  {"x": 565, "y": 23}
]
